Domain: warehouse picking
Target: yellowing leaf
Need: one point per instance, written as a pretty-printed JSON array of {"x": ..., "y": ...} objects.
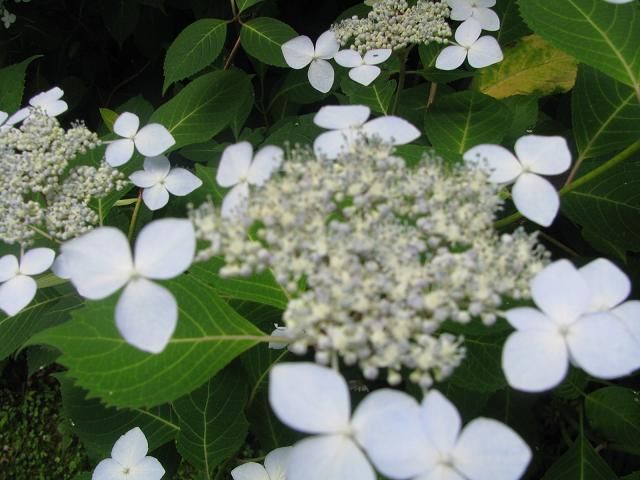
[{"x": 531, "y": 67}]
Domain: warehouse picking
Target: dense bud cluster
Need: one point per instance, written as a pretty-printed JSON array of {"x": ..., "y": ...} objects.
[
  {"x": 376, "y": 255},
  {"x": 394, "y": 24}
]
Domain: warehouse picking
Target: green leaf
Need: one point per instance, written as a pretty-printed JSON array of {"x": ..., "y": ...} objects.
[
  {"x": 212, "y": 421},
  {"x": 573, "y": 385},
  {"x": 204, "y": 107},
  {"x": 263, "y": 37},
  {"x": 459, "y": 121},
  {"x": 109, "y": 117},
  {"x": 606, "y": 114},
  {"x": 296, "y": 89},
  {"x": 299, "y": 130},
  {"x": 524, "y": 115},
  {"x": 531, "y": 67},
  {"x": 580, "y": 462},
  {"x": 121, "y": 18},
  {"x": 196, "y": 47},
  {"x": 208, "y": 336},
  {"x": 512, "y": 27},
  {"x": 12, "y": 85},
  {"x": 597, "y": 33},
  {"x": 609, "y": 206},
  {"x": 245, "y": 4},
  {"x": 615, "y": 413},
  {"x": 378, "y": 95},
  {"x": 481, "y": 369}
]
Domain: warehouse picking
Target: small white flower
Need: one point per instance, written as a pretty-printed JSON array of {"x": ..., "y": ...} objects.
[
  {"x": 282, "y": 332},
  {"x": 7, "y": 18},
  {"x": 100, "y": 263},
  {"x": 17, "y": 288},
  {"x": 275, "y": 467},
  {"x": 158, "y": 179},
  {"x": 479, "y": 10},
  {"x": 363, "y": 70},
  {"x": 348, "y": 122},
  {"x": 50, "y": 102},
  {"x": 151, "y": 140},
  {"x": 129, "y": 461},
  {"x": 533, "y": 195},
  {"x": 481, "y": 51},
  {"x": 566, "y": 329},
  {"x": 300, "y": 52},
  {"x": 239, "y": 169}
]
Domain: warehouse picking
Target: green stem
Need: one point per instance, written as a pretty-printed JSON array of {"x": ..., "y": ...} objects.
[
  {"x": 134, "y": 216},
  {"x": 403, "y": 54},
  {"x": 44, "y": 234}
]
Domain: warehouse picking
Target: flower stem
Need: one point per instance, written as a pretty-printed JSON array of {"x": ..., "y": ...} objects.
[
  {"x": 134, "y": 216},
  {"x": 403, "y": 54}
]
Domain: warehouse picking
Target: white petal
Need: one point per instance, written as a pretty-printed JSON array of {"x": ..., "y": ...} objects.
[
  {"x": 155, "y": 197},
  {"x": 298, "y": 52},
  {"x": 234, "y": 164},
  {"x": 119, "y": 152},
  {"x": 388, "y": 427},
  {"x": 36, "y": 261},
  {"x": 364, "y": 74},
  {"x": 327, "y": 45},
  {"x": 146, "y": 315},
  {"x": 281, "y": 332},
  {"x": 333, "y": 457},
  {"x": 608, "y": 285},
  {"x": 441, "y": 472},
  {"x": 390, "y": 129},
  {"x": 377, "y": 56},
  {"x": 249, "y": 471},
  {"x": 60, "y": 269},
  {"x": 9, "y": 267},
  {"x": 488, "y": 19},
  {"x": 98, "y": 262},
  {"x": 165, "y": 248},
  {"x": 441, "y": 421},
  {"x": 143, "y": 179},
  {"x": 489, "y": 450},
  {"x": 130, "y": 448},
  {"x": 126, "y": 125},
  {"x": 107, "y": 469},
  {"x": 321, "y": 75},
  {"x": 49, "y": 96},
  {"x": 331, "y": 144},
  {"x": 451, "y": 57},
  {"x": 153, "y": 139},
  {"x": 235, "y": 201},
  {"x": 149, "y": 468},
  {"x": 309, "y": 398},
  {"x": 181, "y": 182},
  {"x": 527, "y": 318},
  {"x": 19, "y": 116},
  {"x": 461, "y": 13},
  {"x": 535, "y": 360},
  {"x": 276, "y": 463},
  {"x": 267, "y": 160},
  {"x": 485, "y": 3},
  {"x": 338, "y": 117},
  {"x": 159, "y": 165},
  {"x": 560, "y": 291},
  {"x": 484, "y": 52},
  {"x": 536, "y": 198},
  {"x": 468, "y": 32},
  {"x": 54, "y": 109},
  {"x": 544, "y": 155},
  {"x": 503, "y": 166},
  {"x": 17, "y": 293},
  {"x": 348, "y": 58},
  {"x": 459, "y": 3},
  {"x": 602, "y": 346},
  {"x": 629, "y": 315}
]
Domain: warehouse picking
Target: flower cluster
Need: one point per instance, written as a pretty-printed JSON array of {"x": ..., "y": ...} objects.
[
  {"x": 394, "y": 24},
  {"x": 41, "y": 187},
  {"x": 376, "y": 255},
  {"x": 8, "y": 18}
]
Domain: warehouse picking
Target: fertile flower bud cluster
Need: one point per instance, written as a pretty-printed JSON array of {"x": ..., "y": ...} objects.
[
  {"x": 376, "y": 255},
  {"x": 394, "y": 24},
  {"x": 41, "y": 189}
]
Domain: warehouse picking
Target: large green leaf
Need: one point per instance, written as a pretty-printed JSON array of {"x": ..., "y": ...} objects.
[
  {"x": 596, "y": 32},
  {"x": 606, "y": 114},
  {"x": 263, "y": 37},
  {"x": 459, "y": 121},
  {"x": 531, "y": 67},
  {"x": 212, "y": 421},
  {"x": 12, "y": 85},
  {"x": 512, "y": 26},
  {"x": 615, "y": 413},
  {"x": 209, "y": 335},
  {"x": 580, "y": 462},
  {"x": 299, "y": 130},
  {"x": 204, "y": 107},
  {"x": 197, "y": 46},
  {"x": 378, "y": 95},
  {"x": 481, "y": 369},
  {"x": 245, "y": 4}
]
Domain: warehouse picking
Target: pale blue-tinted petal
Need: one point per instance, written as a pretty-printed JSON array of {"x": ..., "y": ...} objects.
[
  {"x": 543, "y": 155},
  {"x": 153, "y": 140},
  {"x": 298, "y": 52},
  {"x": 126, "y": 125},
  {"x": 9, "y": 267},
  {"x": 267, "y": 160},
  {"x": 36, "y": 261},
  {"x": 155, "y": 197},
  {"x": 536, "y": 199},
  {"x": 130, "y": 448},
  {"x": 17, "y": 293},
  {"x": 234, "y": 164},
  {"x": 484, "y": 52},
  {"x": 608, "y": 285},
  {"x": 321, "y": 75},
  {"x": 250, "y": 471},
  {"x": 119, "y": 152},
  {"x": 339, "y": 117},
  {"x": 276, "y": 463},
  {"x": 181, "y": 182}
]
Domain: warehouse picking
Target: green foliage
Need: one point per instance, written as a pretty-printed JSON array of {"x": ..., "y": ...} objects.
[
  {"x": 615, "y": 413},
  {"x": 263, "y": 37},
  {"x": 12, "y": 79}
]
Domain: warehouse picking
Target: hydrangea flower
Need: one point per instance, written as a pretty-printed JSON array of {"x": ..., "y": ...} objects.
[
  {"x": 158, "y": 179},
  {"x": 480, "y": 51},
  {"x": 100, "y": 263},
  {"x": 151, "y": 140},
  {"x": 363, "y": 70},
  {"x": 50, "y": 102},
  {"x": 478, "y": 10},
  {"x": 619, "y": 2},
  {"x": 300, "y": 52},
  {"x": 347, "y": 122},
  {"x": 129, "y": 460},
  {"x": 239, "y": 168},
  {"x": 275, "y": 467},
  {"x": 17, "y": 288},
  {"x": 567, "y": 329},
  {"x": 533, "y": 195}
]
